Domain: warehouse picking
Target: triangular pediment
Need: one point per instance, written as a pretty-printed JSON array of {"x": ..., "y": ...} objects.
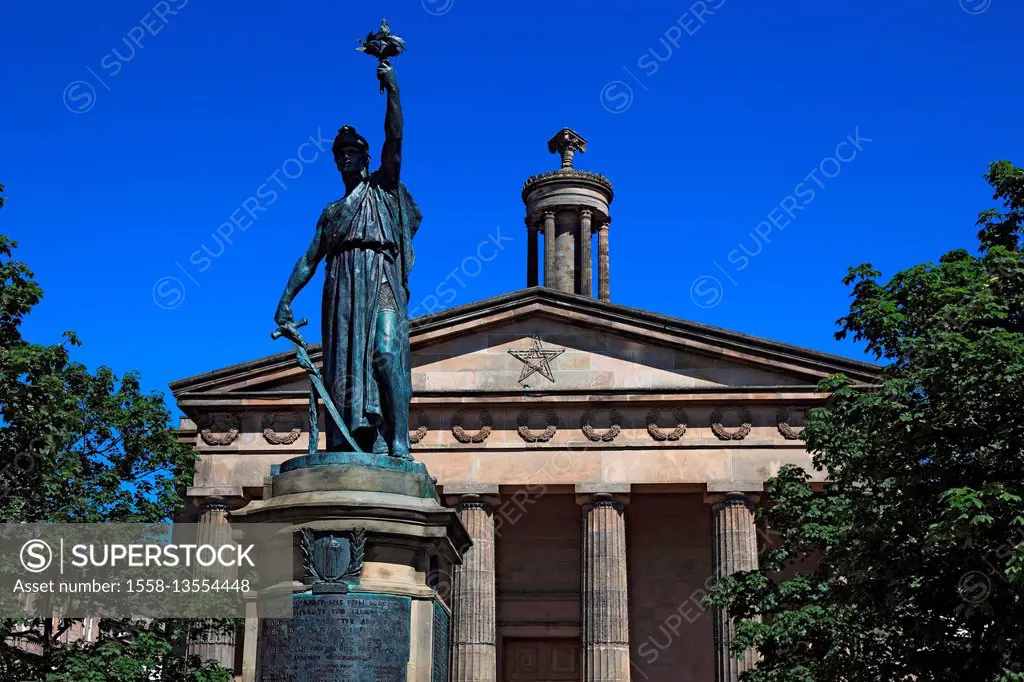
[
  {"x": 566, "y": 343},
  {"x": 541, "y": 350}
]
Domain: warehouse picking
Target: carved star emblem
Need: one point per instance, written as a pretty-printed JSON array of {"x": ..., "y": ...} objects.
[{"x": 536, "y": 360}]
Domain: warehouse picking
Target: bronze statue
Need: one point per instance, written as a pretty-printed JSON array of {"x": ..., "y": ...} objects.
[{"x": 366, "y": 240}]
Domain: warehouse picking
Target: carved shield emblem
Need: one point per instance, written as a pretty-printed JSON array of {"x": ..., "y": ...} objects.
[{"x": 331, "y": 557}]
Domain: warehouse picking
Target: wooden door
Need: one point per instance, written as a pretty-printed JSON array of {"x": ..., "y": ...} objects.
[{"x": 541, "y": 660}]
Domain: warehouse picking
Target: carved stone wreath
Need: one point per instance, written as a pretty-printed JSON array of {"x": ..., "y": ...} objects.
[
  {"x": 422, "y": 426},
  {"x": 288, "y": 421},
  {"x": 523, "y": 422},
  {"x": 464, "y": 436},
  {"x": 787, "y": 431},
  {"x": 657, "y": 434},
  {"x": 609, "y": 434},
  {"x": 219, "y": 429},
  {"x": 746, "y": 421}
]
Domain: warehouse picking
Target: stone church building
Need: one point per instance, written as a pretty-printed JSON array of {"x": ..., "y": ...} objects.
[{"x": 605, "y": 460}]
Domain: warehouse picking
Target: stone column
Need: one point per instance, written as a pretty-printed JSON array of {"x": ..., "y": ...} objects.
[
  {"x": 566, "y": 227},
  {"x": 531, "y": 253},
  {"x": 604, "y": 602},
  {"x": 250, "y": 638},
  {"x": 734, "y": 547},
  {"x": 603, "y": 283},
  {"x": 586, "y": 272},
  {"x": 549, "y": 249},
  {"x": 474, "y": 629},
  {"x": 215, "y": 529}
]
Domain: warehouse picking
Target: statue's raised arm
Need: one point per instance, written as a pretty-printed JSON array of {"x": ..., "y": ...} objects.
[
  {"x": 391, "y": 153},
  {"x": 383, "y": 44}
]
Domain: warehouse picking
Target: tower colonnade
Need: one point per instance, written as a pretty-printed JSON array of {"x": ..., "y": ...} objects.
[{"x": 568, "y": 207}]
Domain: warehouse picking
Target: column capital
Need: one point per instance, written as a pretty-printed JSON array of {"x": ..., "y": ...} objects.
[
  {"x": 549, "y": 215},
  {"x": 224, "y": 498},
  {"x": 719, "y": 500},
  {"x": 487, "y": 503},
  {"x": 567, "y": 142},
  {"x": 616, "y": 501},
  {"x": 586, "y": 213}
]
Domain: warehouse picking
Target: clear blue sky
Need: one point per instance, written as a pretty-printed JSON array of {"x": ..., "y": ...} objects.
[{"x": 704, "y": 124}]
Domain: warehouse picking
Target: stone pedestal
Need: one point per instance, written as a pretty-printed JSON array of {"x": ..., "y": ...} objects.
[
  {"x": 734, "y": 544},
  {"x": 366, "y": 531},
  {"x": 604, "y": 600}
]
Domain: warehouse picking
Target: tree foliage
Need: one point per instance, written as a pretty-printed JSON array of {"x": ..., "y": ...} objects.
[
  {"x": 88, "y": 447},
  {"x": 908, "y": 565}
]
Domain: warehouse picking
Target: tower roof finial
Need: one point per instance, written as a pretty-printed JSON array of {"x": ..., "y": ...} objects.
[{"x": 567, "y": 142}]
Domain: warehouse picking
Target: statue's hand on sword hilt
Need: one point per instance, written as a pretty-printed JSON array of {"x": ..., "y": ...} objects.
[{"x": 291, "y": 332}]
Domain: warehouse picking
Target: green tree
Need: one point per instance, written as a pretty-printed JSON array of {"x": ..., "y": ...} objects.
[
  {"x": 908, "y": 565},
  {"x": 87, "y": 447}
]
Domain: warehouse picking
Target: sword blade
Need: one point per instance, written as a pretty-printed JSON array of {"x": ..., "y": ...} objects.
[
  {"x": 318, "y": 383},
  {"x": 333, "y": 410}
]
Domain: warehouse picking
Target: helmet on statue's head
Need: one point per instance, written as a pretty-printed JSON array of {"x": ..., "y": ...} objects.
[{"x": 351, "y": 151}]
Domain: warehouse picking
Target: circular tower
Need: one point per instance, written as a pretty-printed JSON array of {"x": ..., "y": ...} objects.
[{"x": 569, "y": 205}]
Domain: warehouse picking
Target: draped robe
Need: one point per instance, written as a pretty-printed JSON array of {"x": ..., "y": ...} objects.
[{"x": 367, "y": 236}]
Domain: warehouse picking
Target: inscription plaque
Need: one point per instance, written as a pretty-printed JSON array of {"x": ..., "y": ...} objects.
[
  {"x": 442, "y": 632},
  {"x": 356, "y": 637}
]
